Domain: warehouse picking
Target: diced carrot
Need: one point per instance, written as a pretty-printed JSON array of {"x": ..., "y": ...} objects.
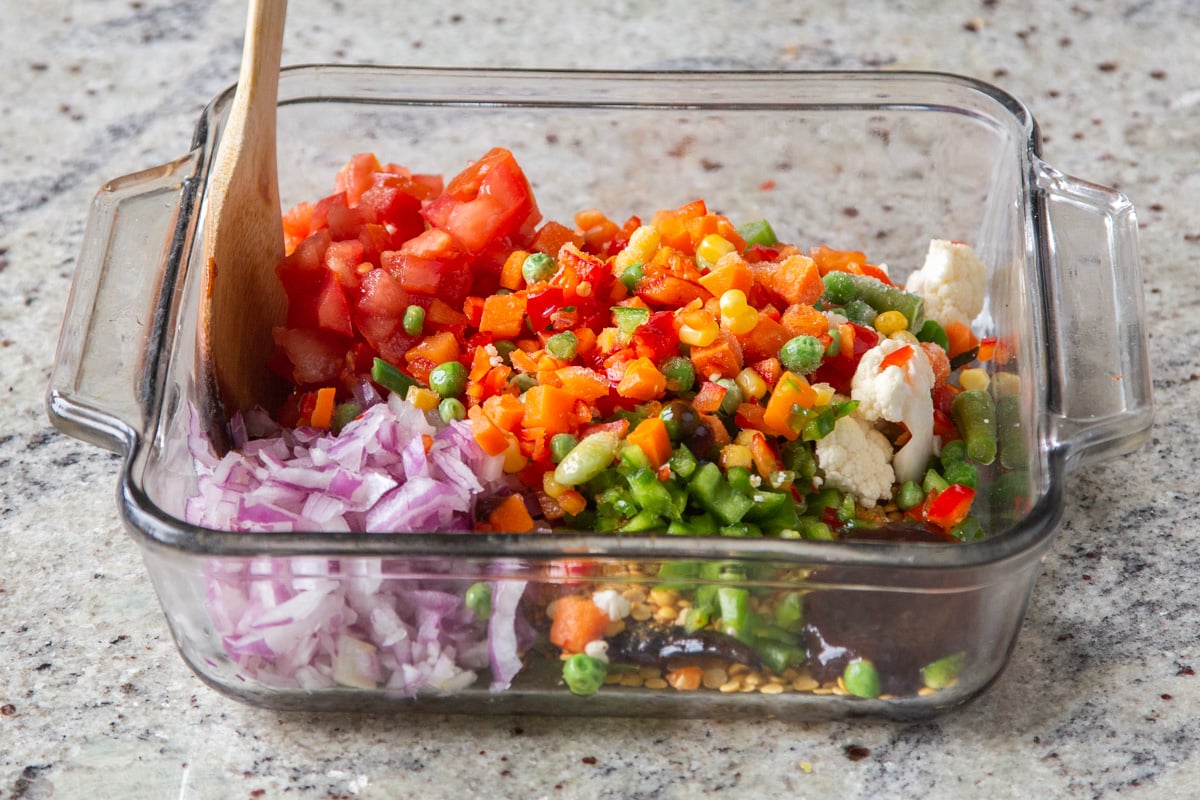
[
  {"x": 552, "y": 236},
  {"x": 791, "y": 390},
  {"x": 481, "y": 362},
  {"x": 831, "y": 260},
  {"x": 801, "y": 319},
  {"x": 878, "y": 273},
  {"x": 938, "y": 360},
  {"x": 763, "y": 340},
  {"x": 730, "y": 273},
  {"x": 960, "y": 337},
  {"x": 322, "y": 414},
  {"x": 685, "y": 679},
  {"x": 548, "y": 407},
  {"x": 505, "y": 411},
  {"x": 709, "y": 398},
  {"x": 437, "y": 348},
  {"x": 511, "y": 276},
  {"x": 511, "y": 516},
  {"x": 577, "y": 621},
  {"x": 723, "y": 357},
  {"x": 642, "y": 381},
  {"x": 523, "y": 361},
  {"x": 583, "y": 383},
  {"x": 489, "y": 437},
  {"x": 651, "y": 436},
  {"x": 846, "y": 340},
  {"x": 503, "y": 315},
  {"x": 795, "y": 279}
]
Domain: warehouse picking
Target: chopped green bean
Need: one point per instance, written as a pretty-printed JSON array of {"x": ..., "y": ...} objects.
[
  {"x": 390, "y": 377},
  {"x": 974, "y": 413},
  {"x": 842, "y": 288},
  {"x": 909, "y": 495},
  {"x": 1014, "y": 452}
]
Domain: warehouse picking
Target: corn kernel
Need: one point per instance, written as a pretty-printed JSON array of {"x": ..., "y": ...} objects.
[
  {"x": 733, "y": 300},
  {"x": 973, "y": 378},
  {"x": 698, "y": 329},
  {"x": 553, "y": 487},
  {"x": 736, "y": 455},
  {"x": 711, "y": 248},
  {"x": 1007, "y": 383},
  {"x": 741, "y": 321},
  {"x": 890, "y": 322},
  {"x": 572, "y": 502},
  {"x": 643, "y": 242},
  {"x": 421, "y": 398},
  {"x": 751, "y": 383},
  {"x": 514, "y": 459},
  {"x": 906, "y": 336}
]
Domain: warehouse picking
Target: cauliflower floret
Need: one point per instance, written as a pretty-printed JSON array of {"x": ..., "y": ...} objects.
[
  {"x": 953, "y": 282},
  {"x": 857, "y": 459},
  {"x": 898, "y": 394}
]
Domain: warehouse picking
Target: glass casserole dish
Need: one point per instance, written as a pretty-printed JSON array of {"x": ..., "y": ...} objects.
[{"x": 875, "y": 161}]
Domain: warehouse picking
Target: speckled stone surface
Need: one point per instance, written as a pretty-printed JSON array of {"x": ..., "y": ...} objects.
[{"x": 1100, "y": 698}]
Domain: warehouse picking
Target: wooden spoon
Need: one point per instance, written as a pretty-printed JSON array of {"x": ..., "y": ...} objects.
[{"x": 243, "y": 238}]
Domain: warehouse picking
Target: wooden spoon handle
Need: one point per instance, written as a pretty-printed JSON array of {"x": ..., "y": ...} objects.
[{"x": 243, "y": 233}]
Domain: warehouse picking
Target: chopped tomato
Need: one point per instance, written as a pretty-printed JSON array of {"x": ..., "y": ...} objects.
[{"x": 490, "y": 199}]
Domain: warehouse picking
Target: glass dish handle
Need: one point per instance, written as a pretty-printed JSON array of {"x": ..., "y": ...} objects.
[
  {"x": 101, "y": 379},
  {"x": 1101, "y": 399}
]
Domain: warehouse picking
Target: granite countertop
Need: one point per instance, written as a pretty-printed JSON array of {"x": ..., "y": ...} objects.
[{"x": 1100, "y": 697}]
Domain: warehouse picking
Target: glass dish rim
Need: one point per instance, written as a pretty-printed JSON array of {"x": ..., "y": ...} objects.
[{"x": 156, "y": 528}]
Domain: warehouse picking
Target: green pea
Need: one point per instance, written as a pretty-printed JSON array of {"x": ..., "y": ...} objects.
[
  {"x": 563, "y": 345},
  {"x": 478, "y": 599},
  {"x": 961, "y": 472},
  {"x": 414, "y": 320},
  {"x": 584, "y": 675},
  {"x": 504, "y": 349},
  {"x": 523, "y": 381},
  {"x": 632, "y": 275},
  {"x": 953, "y": 450},
  {"x": 909, "y": 495},
  {"x": 451, "y": 409},
  {"x": 449, "y": 379},
  {"x": 537, "y": 267},
  {"x": 587, "y": 459},
  {"x": 861, "y": 678},
  {"x": 943, "y": 672},
  {"x": 802, "y": 354},
  {"x": 561, "y": 444},
  {"x": 680, "y": 374}
]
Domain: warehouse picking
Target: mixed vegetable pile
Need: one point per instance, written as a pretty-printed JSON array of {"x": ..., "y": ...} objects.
[{"x": 459, "y": 364}]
